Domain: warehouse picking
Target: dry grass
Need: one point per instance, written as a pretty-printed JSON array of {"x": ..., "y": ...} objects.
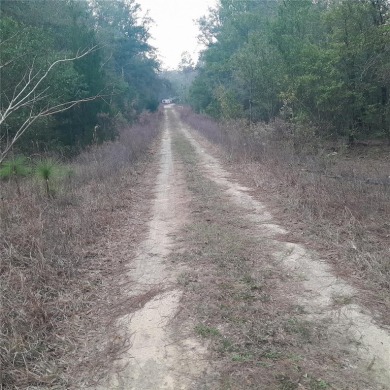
[
  {"x": 243, "y": 303},
  {"x": 334, "y": 198},
  {"x": 57, "y": 290},
  {"x": 238, "y": 140}
]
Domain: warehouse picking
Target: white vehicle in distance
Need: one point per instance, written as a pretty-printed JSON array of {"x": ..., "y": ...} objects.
[{"x": 167, "y": 101}]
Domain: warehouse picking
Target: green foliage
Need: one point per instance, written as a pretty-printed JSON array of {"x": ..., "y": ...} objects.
[
  {"x": 241, "y": 358},
  {"x": 123, "y": 68},
  {"x": 14, "y": 169},
  {"x": 318, "y": 384},
  {"x": 27, "y": 52},
  {"x": 228, "y": 105},
  {"x": 46, "y": 170},
  {"x": 129, "y": 61},
  {"x": 324, "y": 63},
  {"x": 206, "y": 331},
  {"x": 178, "y": 82}
]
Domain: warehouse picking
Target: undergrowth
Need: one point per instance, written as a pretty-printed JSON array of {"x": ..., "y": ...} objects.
[{"x": 56, "y": 290}]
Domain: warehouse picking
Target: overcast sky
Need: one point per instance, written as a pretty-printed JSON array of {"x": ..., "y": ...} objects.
[{"x": 175, "y": 29}]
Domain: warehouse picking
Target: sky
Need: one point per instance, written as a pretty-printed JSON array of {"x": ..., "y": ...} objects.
[{"x": 175, "y": 29}]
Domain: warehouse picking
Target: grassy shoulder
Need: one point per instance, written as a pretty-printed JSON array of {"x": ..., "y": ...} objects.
[
  {"x": 333, "y": 198},
  {"x": 345, "y": 221},
  {"x": 59, "y": 286},
  {"x": 241, "y": 302}
]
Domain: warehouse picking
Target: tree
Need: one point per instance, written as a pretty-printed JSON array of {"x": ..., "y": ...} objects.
[
  {"x": 130, "y": 61},
  {"x": 44, "y": 55},
  {"x": 229, "y": 33},
  {"x": 258, "y": 70},
  {"x": 31, "y": 97},
  {"x": 326, "y": 62},
  {"x": 32, "y": 40},
  {"x": 186, "y": 63},
  {"x": 14, "y": 169}
]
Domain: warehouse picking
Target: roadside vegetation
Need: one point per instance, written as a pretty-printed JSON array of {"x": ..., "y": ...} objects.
[
  {"x": 296, "y": 93},
  {"x": 59, "y": 294},
  {"x": 335, "y": 202},
  {"x": 78, "y": 113},
  {"x": 70, "y": 72}
]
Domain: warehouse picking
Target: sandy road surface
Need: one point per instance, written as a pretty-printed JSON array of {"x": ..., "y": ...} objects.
[{"x": 156, "y": 359}]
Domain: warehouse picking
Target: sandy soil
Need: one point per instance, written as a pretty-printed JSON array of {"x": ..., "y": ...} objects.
[{"x": 158, "y": 358}]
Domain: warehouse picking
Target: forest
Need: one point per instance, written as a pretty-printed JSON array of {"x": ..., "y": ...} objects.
[
  {"x": 323, "y": 64},
  {"x": 111, "y": 202},
  {"x": 71, "y": 73}
]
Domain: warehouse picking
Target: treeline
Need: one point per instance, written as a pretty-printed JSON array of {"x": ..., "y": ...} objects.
[
  {"x": 324, "y": 63},
  {"x": 71, "y": 72}
]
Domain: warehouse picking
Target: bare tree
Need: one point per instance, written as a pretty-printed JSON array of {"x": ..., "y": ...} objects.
[{"x": 28, "y": 93}]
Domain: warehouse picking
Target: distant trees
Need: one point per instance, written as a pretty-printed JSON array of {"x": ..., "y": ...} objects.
[
  {"x": 186, "y": 64},
  {"x": 129, "y": 60},
  {"x": 57, "y": 57},
  {"x": 326, "y": 62}
]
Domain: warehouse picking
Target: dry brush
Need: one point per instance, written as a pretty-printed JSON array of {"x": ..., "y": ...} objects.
[
  {"x": 56, "y": 287},
  {"x": 340, "y": 193}
]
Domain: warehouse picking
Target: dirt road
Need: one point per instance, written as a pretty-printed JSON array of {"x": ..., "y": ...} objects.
[{"x": 181, "y": 342}]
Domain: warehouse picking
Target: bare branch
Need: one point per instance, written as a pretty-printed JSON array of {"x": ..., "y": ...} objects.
[
  {"x": 9, "y": 39},
  {"x": 109, "y": 58},
  {"x": 23, "y": 96},
  {"x": 26, "y": 94}
]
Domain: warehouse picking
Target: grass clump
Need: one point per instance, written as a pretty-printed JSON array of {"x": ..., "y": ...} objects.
[
  {"x": 206, "y": 331},
  {"x": 47, "y": 170},
  {"x": 14, "y": 170}
]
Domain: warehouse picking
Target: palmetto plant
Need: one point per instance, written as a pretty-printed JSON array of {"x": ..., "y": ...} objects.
[
  {"x": 15, "y": 169},
  {"x": 46, "y": 170}
]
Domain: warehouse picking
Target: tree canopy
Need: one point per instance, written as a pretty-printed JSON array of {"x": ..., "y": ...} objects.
[
  {"x": 116, "y": 79},
  {"x": 324, "y": 62}
]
